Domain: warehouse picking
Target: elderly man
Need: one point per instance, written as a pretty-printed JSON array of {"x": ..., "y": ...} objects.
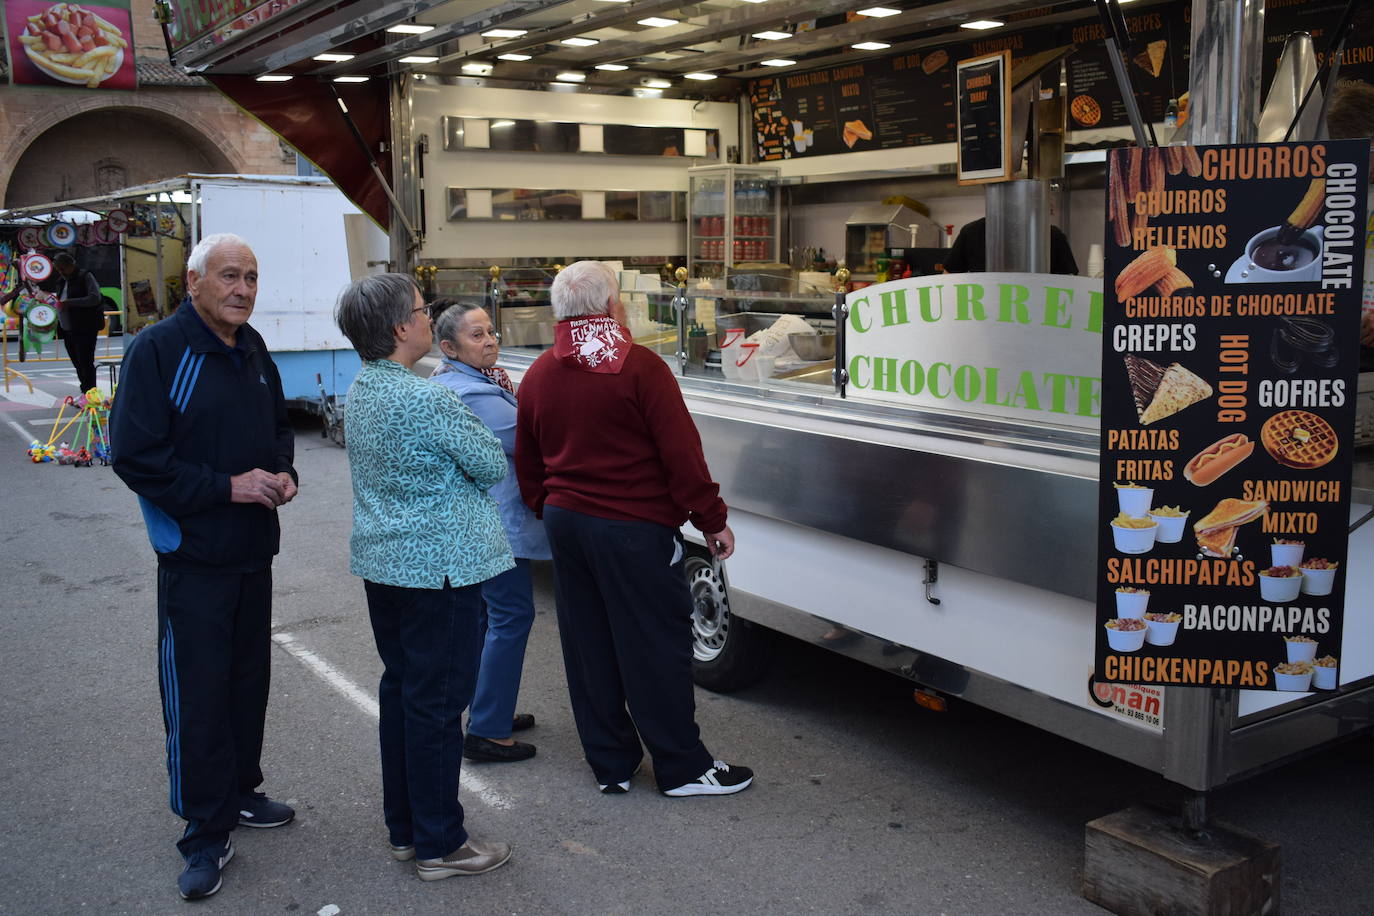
[
  {"x": 608, "y": 455},
  {"x": 200, "y": 433}
]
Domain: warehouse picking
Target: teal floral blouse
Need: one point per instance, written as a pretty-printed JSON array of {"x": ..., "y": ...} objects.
[{"x": 422, "y": 464}]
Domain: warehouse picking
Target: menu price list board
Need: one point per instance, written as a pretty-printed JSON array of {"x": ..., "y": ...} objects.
[
  {"x": 1157, "y": 63},
  {"x": 1229, "y": 373},
  {"x": 1318, "y": 18},
  {"x": 984, "y": 150}
]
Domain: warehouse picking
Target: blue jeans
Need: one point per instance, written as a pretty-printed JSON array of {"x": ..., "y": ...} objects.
[
  {"x": 427, "y": 639},
  {"x": 509, "y": 598}
]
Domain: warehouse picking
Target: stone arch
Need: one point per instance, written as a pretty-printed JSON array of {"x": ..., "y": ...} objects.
[{"x": 175, "y": 116}]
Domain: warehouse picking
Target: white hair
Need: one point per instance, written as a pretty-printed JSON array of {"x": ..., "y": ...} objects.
[
  {"x": 200, "y": 255},
  {"x": 583, "y": 288}
]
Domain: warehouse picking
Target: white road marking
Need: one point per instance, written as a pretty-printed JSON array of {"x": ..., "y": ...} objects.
[
  {"x": 37, "y": 399},
  {"x": 368, "y": 704},
  {"x": 23, "y": 433}
]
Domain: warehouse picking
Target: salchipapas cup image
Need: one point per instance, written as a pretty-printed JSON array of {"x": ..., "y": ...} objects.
[
  {"x": 1125, "y": 634},
  {"x": 1286, "y": 552}
]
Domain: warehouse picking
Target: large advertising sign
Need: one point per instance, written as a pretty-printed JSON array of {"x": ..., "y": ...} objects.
[
  {"x": 1007, "y": 345},
  {"x": 85, "y": 46},
  {"x": 1230, "y": 359}
]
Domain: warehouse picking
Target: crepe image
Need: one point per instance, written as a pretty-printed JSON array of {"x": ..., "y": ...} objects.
[
  {"x": 1151, "y": 60},
  {"x": 1161, "y": 392}
]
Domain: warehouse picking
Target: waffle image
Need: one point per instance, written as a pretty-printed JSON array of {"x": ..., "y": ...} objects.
[
  {"x": 1085, "y": 110},
  {"x": 1299, "y": 439}
]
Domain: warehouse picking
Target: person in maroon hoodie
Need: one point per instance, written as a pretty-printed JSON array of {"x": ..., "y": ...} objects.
[{"x": 607, "y": 455}]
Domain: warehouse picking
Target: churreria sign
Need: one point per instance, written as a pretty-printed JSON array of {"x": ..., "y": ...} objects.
[{"x": 1007, "y": 345}]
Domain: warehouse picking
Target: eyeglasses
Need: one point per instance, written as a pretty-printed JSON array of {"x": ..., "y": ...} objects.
[{"x": 423, "y": 308}]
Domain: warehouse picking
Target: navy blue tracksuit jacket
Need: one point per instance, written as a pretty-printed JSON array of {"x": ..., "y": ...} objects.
[{"x": 190, "y": 413}]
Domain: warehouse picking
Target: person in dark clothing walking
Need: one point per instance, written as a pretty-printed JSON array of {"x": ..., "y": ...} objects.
[
  {"x": 200, "y": 434},
  {"x": 80, "y": 316},
  {"x": 607, "y": 454}
]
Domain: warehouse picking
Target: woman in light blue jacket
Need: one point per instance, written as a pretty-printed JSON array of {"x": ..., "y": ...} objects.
[{"x": 470, "y": 349}]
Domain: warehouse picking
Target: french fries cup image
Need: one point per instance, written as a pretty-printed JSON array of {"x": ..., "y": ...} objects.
[
  {"x": 1171, "y": 521},
  {"x": 1133, "y": 535},
  {"x": 1132, "y": 602},
  {"x": 1318, "y": 577},
  {"x": 75, "y": 45},
  {"x": 1134, "y": 500},
  {"x": 1288, "y": 554}
]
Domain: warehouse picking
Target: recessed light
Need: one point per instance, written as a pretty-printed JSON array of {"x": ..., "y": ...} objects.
[
  {"x": 658, "y": 84},
  {"x": 772, "y": 35},
  {"x": 350, "y": 79},
  {"x": 407, "y": 29},
  {"x": 334, "y": 57},
  {"x": 611, "y": 67},
  {"x": 878, "y": 12},
  {"x": 571, "y": 76},
  {"x": 477, "y": 68},
  {"x": 646, "y": 93},
  {"x": 579, "y": 42},
  {"x": 777, "y": 62},
  {"x": 755, "y": 1},
  {"x": 699, "y": 76},
  {"x": 274, "y": 77},
  {"x": 981, "y": 24},
  {"x": 512, "y": 56},
  {"x": 502, "y": 123},
  {"x": 657, "y": 22},
  {"x": 504, "y": 33},
  {"x": 418, "y": 59},
  {"x": 870, "y": 46}
]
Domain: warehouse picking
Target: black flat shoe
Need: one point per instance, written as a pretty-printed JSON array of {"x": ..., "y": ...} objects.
[
  {"x": 484, "y": 750},
  {"x": 522, "y": 721}
]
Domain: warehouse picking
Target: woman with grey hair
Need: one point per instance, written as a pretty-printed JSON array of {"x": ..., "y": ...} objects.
[
  {"x": 426, "y": 534},
  {"x": 470, "y": 347}
]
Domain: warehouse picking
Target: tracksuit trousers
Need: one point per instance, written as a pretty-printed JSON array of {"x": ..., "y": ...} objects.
[
  {"x": 214, "y": 655},
  {"x": 625, "y": 619}
]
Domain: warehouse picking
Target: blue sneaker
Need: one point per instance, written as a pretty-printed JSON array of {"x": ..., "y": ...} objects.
[
  {"x": 257, "y": 810},
  {"x": 201, "y": 877}
]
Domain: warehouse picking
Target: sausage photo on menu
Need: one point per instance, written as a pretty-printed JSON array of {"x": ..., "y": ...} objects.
[{"x": 1217, "y": 458}]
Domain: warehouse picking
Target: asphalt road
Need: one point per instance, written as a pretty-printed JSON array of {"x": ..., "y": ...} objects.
[{"x": 863, "y": 802}]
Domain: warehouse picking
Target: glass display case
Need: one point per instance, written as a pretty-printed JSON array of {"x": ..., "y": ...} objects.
[{"x": 733, "y": 218}]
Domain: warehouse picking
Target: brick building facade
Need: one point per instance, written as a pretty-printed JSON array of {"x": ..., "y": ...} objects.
[{"x": 60, "y": 143}]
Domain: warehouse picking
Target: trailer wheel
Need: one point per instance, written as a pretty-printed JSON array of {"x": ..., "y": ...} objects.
[{"x": 727, "y": 653}]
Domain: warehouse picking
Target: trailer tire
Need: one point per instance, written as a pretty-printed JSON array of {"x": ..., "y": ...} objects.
[{"x": 728, "y": 653}]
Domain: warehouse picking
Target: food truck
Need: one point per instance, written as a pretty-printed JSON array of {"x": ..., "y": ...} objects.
[
  {"x": 313, "y": 240},
  {"x": 913, "y": 467}
]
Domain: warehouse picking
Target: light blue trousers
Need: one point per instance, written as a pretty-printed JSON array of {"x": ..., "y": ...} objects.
[{"x": 509, "y": 600}]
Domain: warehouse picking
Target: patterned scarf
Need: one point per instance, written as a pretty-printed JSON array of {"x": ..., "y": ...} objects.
[
  {"x": 495, "y": 373},
  {"x": 597, "y": 343}
]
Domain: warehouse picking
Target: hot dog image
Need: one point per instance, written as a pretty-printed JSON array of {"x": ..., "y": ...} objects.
[{"x": 1217, "y": 458}]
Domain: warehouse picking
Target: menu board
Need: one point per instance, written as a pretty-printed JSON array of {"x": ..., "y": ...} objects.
[
  {"x": 984, "y": 146},
  {"x": 1157, "y": 62},
  {"x": 1318, "y": 18},
  {"x": 1229, "y": 372},
  {"x": 906, "y": 100}
]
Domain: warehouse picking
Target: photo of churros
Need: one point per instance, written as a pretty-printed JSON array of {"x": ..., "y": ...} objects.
[{"x": 71, "y": 43}]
